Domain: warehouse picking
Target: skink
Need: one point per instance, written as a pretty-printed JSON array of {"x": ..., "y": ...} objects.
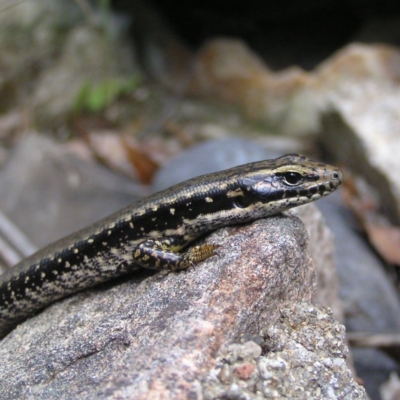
[{"x": 151, "y": 232}]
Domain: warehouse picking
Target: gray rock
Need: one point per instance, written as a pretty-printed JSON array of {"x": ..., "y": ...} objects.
[
  {"x": 374, "y": 367},
  {"x": 322, "y": 249},
  {"x": 58, "y": 56},
  {"x": 304, "y": 359},
  {"x": 360, "y": 151},
  {"x": 49, "y": 193},
  {"x": 160, "y": 334},
  {"x": 370, "y": 300},
  {"x": 88, "y": 59},
  {"x": 210, "y": 156},
  {"x": 30, "y": 34}
]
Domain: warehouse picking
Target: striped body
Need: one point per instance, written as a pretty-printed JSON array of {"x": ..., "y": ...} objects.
[{"x": 151, "y": 232}]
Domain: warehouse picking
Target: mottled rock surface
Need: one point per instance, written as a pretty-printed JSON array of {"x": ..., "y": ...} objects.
[
  {"x": 162, "y": 334},
  {"x": 301, "y": 356},
  {"x": 322, "y": 250}
]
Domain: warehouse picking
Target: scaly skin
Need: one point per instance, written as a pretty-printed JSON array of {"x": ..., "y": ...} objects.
[{"x": 151, "y": 232}]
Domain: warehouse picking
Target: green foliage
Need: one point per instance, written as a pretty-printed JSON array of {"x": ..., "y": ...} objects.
[{"x": 95, "y": 97}]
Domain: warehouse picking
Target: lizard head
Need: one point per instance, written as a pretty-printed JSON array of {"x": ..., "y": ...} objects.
[{"x": 286, "y": 182}]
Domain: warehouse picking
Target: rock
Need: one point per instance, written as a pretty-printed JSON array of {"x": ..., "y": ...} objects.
[
  {"x": 369, "y": 143},
  {"x": 210, "y": 156},
  {"x": 41, "y": 25},
  {"x": 354, "y": 93},
  {"x": 322, "y": 249},
  {"x": 88, "y": 58},
  {"x": 375, "y": 368},
  {"x": 304, "y": 357},
  {"x": 228, "y": 69},
  {"x": 369, "y": 298},
  {"x": 162, "y": 333},
  {"x": 360, "y": 122},
  {"x": 358, "y": 79},
  {"x": 49, "y": 193},
  {"x": 390, "y": 390},
  {"x": 60, "y": 54}
]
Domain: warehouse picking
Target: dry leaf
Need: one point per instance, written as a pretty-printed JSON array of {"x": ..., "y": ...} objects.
[
  {"x": 384, "y": 237},
  {"x": 144, "y": 165},
  {"x": 386, "y": 241},
  {"x": 111, "y": 150}
]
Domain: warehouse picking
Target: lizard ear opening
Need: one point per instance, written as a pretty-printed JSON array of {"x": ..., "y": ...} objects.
[{"x": 258, "y": 187}]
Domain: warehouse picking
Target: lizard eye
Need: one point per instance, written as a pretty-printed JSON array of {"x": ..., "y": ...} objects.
[
  {"x": 292, "y": 178},
  {"x": 241, "y": 202}
]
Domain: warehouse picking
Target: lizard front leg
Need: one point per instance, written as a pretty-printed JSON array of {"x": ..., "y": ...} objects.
[{"x": 161, "y": 254}]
